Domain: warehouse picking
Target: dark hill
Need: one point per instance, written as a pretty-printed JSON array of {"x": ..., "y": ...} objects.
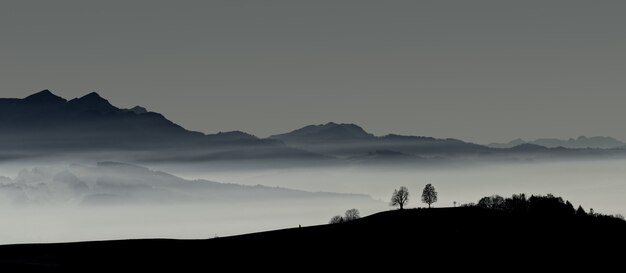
[{"x": 482, "y": 237}]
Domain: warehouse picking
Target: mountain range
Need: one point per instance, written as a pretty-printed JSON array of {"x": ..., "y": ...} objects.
[
  {"x": 581, "y": 142},
  {"x": 46, "y": 125},
  {"x": 344, "y": 140}
]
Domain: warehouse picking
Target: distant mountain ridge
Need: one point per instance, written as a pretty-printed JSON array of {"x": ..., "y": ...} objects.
[
  {"x": 325, "y": 132},
  {"x": 350, "y": 140},
  {"x": 582, "y": 142},
  {"x": 44, "y": 123}
]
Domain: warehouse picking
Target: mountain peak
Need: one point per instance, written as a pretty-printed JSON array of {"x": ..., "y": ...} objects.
[
  {"x": 344, "y": 125},
  {"x": 93, "y": 96},
  {"x": 92, "y": 102},
  {"x": 44, "y": 96},
  {"x": 350, "y": 129},
  {"x": 233, "y": 135},
  {"x": 138, "y": 110},
  {"x": 325, "y": 132},
  {"x": 529, "y": 147}
]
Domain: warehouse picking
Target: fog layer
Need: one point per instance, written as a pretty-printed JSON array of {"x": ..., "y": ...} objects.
[
  {"x": 111, "y": 200},
  {"x": 598, "y": 184}
]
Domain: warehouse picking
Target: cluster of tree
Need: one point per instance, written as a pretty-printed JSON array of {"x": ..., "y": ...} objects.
[
  {"x": 400, "y": 197},
  {"x": 350, "y": 215},
  {"x": 535, "y": 204},
  {"x": 517, "y": 203}
]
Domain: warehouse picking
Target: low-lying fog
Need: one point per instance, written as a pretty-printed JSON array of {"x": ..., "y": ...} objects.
[
  {"x": 599, "y": 184},
  {"x": 185, "y": 221}
]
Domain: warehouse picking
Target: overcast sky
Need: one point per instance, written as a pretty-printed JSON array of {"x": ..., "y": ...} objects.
[{"x": 479, "y": 71}]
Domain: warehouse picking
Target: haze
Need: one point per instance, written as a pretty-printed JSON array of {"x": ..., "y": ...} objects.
[{"x": 597, "y": 184}]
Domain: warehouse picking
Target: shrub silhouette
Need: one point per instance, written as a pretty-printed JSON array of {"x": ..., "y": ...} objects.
[
  {"x": 336, "y": 219},
  {"x": 492, "y": 202},
  {"x": 352, "y": 214}
]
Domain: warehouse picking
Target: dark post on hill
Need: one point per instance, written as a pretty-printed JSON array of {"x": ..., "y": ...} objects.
[{"x": 429, "y": 195}]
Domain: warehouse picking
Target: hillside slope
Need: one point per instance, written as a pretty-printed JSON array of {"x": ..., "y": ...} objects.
[{"x": 461, "y": 234}]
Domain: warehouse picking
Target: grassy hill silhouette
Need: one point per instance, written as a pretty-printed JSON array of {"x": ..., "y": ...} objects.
[{"x": 462, "y": 233}]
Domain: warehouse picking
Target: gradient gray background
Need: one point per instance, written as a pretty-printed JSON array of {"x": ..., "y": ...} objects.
[{"x": 476, "y": 70}]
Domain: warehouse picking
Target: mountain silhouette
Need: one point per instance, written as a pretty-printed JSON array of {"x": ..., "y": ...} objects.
[
  {"x": 581, "y": 142},
  {"x": 46, "y": 124},
  {"x": 92, "y": 102},
  {"x": 44, "y": 97},
  {"x": 138, "y": 110},
  {"x": 349, "y": 140},
  {"x": 323, "y": 133},
  {"x": 507, "y": 145},
  {"x": 529, "y": 147}
]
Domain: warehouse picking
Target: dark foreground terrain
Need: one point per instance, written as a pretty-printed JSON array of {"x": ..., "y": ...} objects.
[{"x": 467, "y": 236}]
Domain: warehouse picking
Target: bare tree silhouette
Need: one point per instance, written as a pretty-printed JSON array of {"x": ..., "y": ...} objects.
[
  {"x": 429, "y": 195},
  {"x": 352, "y": 214},
  {"x": 400, "y": 197}
]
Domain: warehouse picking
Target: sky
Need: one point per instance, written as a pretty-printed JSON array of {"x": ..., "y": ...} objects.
[{"x": 481, "y": 71}]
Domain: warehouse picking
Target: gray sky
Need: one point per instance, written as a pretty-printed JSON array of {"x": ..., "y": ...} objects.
[{"x": 475, "y": 70}]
